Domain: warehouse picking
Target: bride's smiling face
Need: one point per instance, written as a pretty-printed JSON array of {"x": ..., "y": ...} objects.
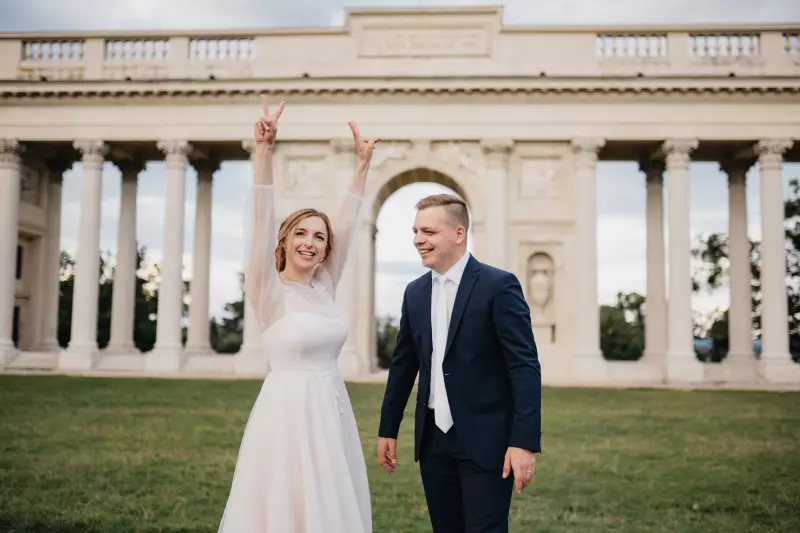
[{"x": 307, "y": 244}]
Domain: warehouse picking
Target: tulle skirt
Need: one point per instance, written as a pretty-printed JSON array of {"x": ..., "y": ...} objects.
[{"x": 300, "y": 467}]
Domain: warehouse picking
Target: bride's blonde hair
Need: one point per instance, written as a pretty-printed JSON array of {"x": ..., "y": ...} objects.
[{"x": 288, "y": 225}]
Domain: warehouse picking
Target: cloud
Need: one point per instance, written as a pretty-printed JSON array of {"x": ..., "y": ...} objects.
[{"x": 46, "y": 15}]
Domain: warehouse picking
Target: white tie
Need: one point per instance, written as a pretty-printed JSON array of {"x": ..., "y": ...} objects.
[{"x": 441, "y": 407}]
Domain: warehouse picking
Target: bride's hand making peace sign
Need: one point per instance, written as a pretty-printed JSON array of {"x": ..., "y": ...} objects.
[
  {"x": 266, "y": 128},
  {"x": 364, "y": 147}
]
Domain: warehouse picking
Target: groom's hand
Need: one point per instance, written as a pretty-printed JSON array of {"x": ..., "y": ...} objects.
[
  {"x": 387, "y": 453},
  {"x": 523, "y": 462}
]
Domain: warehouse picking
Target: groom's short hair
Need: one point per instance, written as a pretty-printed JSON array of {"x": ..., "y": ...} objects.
[{"x": 455, "y": 207}]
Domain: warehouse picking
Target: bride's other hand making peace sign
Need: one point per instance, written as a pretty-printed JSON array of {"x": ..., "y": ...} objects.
[{"x": 266, "y": 127}]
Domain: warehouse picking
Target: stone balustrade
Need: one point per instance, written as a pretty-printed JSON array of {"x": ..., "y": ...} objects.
[{"x": 475, "y": 43}]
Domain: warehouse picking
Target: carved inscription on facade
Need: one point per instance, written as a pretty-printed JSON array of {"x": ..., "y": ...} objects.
[{"x": 424, "y": 42}]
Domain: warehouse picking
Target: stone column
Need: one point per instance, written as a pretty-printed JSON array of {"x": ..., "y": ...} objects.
[
  {"x": 350, "y": 362},
  {"x": 251, "y": 359},
  {"x": 682, "y": 364},
  {"x": 51, "y": 278},
  {"x": 365, "y": 326},
  {"x": 10, "y": 164},
  {"x": 588, "y": 363},
  {"x": 740, "y": 363},
  {"x": 655, "y": 343},
  {"x": 198, "y": 341},
  {"x": 123, "y": 303},
  {"x": 82, "y": 352},
  {"x": 167, "y": 352},
  {"x": 776, "y": 363},
  {"x": 497, "y": 153}
]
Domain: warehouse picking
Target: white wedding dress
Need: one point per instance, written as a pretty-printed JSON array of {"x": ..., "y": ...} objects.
[{"x": 300, "y": 467}]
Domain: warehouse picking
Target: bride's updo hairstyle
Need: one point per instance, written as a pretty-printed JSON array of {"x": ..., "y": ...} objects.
[{"x": 288, "y": 226}]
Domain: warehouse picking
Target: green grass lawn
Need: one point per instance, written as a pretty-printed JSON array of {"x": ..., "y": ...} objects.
[{"x": 114, "y": 455}]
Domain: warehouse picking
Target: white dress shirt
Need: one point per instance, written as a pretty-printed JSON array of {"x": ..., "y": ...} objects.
[{"x": 452, "y": 278}]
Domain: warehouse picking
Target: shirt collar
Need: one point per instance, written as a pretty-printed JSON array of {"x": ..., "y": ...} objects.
[{"x": 456, "y": 271}]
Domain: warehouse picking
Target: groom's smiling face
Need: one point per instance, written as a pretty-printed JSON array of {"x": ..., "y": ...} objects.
[{"x": 437, "y": 237}]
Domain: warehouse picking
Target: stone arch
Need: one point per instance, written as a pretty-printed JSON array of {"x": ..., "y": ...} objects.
[
  {"x": 392, "y": 176},
  {"x": 383, "y": 182}
]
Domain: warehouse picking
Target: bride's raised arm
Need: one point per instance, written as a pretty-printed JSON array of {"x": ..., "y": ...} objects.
[
  {"x": 262, "y": 284},
  {"x": 348, "y": 217}
]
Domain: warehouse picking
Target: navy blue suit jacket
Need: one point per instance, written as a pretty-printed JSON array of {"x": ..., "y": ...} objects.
[{"x": 491, "y": 366}]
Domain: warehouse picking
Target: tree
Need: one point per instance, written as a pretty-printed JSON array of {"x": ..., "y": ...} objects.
[
  {"x": 622, "y": 328},
  {"x": 386, "y": 340},
  {"x": 146, "y": 301},
  {"x": 711, "y": 255},
  {"x": 227, "y": 334}
]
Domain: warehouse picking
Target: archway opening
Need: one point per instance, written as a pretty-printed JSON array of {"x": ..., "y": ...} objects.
[{"x": 395, "y": 260}]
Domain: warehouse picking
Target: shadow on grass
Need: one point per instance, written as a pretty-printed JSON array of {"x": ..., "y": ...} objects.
[{"x": 27, "y": 525}]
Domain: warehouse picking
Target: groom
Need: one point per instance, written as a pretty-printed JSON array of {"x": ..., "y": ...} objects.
[{"x": 465, "y": 327}]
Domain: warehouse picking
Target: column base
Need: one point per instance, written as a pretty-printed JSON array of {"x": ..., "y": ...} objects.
[
  {"x": 78, "y": 358},
  {"x": 206, "y": 363},
  {"x": 780, "y": 369},
  {"x": 120, "y": 348},
  {"x": 740, "y": 368},
  {"x": 589, "y": 367},
  {"x": 251, "y": 362},
  {"x": 164, "y": 359},
  {"x": 49, "y": 346},
  {"x": 198, "y": 350},
  {"x": 119, "y": 360},
  {"x": 8, "y": 352},
  {"x": 684, "y": 368}
]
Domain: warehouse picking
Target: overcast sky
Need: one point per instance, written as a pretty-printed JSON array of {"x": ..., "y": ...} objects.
[
  {"x": 43, "y": 15},
  {"x": 621, "y": 193}
]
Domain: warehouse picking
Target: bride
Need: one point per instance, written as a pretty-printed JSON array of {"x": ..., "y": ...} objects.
[{"x": 300, "y": 467}]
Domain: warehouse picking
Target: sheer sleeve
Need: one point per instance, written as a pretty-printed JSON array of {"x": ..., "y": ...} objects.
[
  {"x": 344, "y": 232},
  {"x": 263, "y": 287}
]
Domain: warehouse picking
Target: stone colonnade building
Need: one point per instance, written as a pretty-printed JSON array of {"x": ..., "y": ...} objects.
[{"x": 514, "y": 119}]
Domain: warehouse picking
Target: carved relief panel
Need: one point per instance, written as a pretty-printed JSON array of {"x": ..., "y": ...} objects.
[
  {"x": 306, "y": 170},
  {"x": 540, "y": 285},
  {"x": 538, "y": 181},
  {"x": 541, "y": 179},
  {"x": 304, "y": 176},
  {"x": 31, "y": 186}
]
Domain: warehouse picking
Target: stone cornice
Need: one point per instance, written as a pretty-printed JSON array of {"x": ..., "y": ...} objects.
[{"x": 445, "y": 87}]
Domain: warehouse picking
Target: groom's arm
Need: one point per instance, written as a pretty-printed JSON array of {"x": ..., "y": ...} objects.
[
  {"x": 512, "y": 322},
  {"x": 402, "y": 373}
]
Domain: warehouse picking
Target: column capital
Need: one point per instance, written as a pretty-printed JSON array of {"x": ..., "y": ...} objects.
[
  {"x": 130, "y": 167},
  {"x": 653, "y": 170},
  {"x": 587, "y": 150},
  {"x": 92, "y": 151},
  {"x": 736, "y": 169},
  {"x": 497, "y": 151},
  {"x": 205, "y": 167},
  {"x": 249, "y": 145},
  {"x": 770, "y": 152},
  {"x": 176, "y": 151},
  {"x": 678, "y": 152},
  {"x": 11, "y": 153},
  {"x": 497, "y": 146},
  {"x": 91, "y": 148}
]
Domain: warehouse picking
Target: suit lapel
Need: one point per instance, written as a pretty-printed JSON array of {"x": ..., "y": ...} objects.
[
  {"x": 468, "y": 279},
  {"x": 425, "y": 302}
]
